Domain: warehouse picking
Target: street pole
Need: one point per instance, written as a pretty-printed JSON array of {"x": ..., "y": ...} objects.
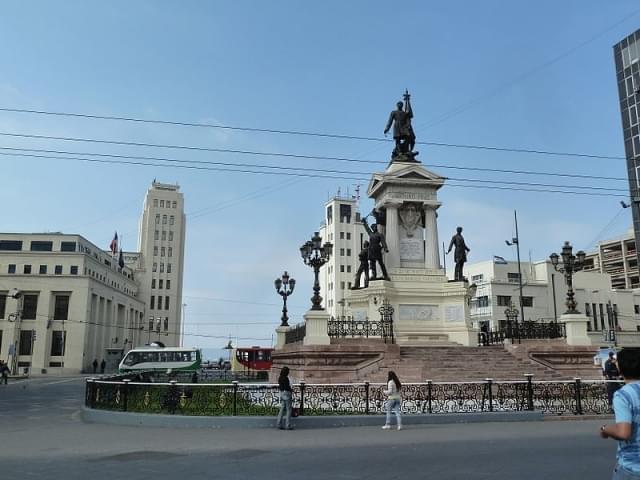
[
  {"x": 515, "y": 216},
  {"x": 184, "y": 307},
  {"x": 553, "y": 289}
]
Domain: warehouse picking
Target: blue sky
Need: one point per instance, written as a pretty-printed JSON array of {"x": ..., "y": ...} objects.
[{"x": 332, "y": 66}]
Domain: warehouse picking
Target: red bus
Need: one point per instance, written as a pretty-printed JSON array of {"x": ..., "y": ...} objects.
[{"x": 253, "y": 358}]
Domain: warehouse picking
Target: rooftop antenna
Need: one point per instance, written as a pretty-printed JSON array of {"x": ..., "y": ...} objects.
[
  {"x": 338, "y": 192},
  {"x": 357, "y": 196}
]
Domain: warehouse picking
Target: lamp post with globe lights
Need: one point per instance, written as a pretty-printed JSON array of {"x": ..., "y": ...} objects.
[
  {"x": 315, "y": 255},
  {"x": 289, "y": 284},
  {"x": 570, "y": 265}
]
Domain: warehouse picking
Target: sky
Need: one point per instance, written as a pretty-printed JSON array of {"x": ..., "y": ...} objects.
[{"x": 521, "y": 75}]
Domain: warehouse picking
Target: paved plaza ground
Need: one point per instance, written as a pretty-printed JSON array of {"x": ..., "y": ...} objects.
[{"x": 42, "y": 436}]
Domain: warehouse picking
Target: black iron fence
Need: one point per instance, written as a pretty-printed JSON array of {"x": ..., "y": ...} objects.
[
  {"x": 342, "y": 327},
  {"x": 516, "y": 332},
  {"x": 557, "y": 397},
  {"x": 295, "y": 334}
]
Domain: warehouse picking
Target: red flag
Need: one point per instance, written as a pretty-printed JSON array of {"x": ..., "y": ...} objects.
[{"x": 113, "y": 246}]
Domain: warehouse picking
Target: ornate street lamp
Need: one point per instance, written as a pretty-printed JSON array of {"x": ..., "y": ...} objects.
[
  {"x": 288, "y": 284},
  {"x": 570, "y": 265},
  {"x": 316, "y": 255},
  {"x": 511, "y": 313}
]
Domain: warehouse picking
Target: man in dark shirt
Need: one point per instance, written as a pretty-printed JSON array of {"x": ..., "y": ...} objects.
[{"x": 611, "y": 372}]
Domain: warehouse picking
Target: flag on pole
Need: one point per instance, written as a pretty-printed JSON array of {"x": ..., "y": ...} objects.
[
  {"x": 499, "y": 260},
  {"x": 121, "y": 260},
  {"x": 113, "y": 246}
]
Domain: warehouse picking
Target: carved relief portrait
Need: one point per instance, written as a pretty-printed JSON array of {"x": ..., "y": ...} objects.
[{"x": 410, "y": 217}]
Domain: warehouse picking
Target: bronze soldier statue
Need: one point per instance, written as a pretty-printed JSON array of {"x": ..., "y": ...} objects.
[
  {"x": 363, "y": 256},
  {"x": 376, "y": 244},
  {"x": 459, "y": 254}
]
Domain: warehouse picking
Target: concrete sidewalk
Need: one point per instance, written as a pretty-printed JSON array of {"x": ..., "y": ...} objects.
[{"x": 305, "y": 422}]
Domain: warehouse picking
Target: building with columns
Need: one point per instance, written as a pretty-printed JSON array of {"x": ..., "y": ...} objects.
[{"x": 76, "y": 304}]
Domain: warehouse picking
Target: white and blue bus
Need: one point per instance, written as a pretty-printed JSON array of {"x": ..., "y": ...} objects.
[{"x": 161, "y": 359}]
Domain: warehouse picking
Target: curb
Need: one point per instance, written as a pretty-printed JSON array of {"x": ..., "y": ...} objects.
[{"x": 330, "y": 421}]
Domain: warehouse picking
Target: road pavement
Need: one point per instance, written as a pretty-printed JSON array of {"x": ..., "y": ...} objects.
[{"x": 42, "y": 436}]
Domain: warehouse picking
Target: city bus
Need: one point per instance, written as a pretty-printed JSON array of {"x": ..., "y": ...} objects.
[{"x": 161, "y": 359}]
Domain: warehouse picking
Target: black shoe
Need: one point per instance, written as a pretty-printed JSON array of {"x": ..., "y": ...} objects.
[
  {"x": 280, "y": 428},
  {"x": 289, "y": 428}
]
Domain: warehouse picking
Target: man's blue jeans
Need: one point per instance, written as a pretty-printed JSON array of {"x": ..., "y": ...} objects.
[{"x": 285, "y": 410}]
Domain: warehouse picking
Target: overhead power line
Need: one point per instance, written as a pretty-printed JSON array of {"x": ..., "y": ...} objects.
[
  {"x": 186, "y": 165},
  {"x": 313, "y": 134}
]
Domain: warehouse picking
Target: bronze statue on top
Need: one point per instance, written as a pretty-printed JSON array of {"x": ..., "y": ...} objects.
[{"x": 402, "y": 131}]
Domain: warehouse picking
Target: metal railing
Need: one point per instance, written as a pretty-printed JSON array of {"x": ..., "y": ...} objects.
[
  {"x": 343, "y": 327},
  {"x": 575, "y": 397},
  {"x": 522, "y": 331},
  {"x": 295, "y": 334}
]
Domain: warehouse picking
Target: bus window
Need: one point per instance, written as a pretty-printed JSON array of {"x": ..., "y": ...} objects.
[{"x": 132, "y": 359}]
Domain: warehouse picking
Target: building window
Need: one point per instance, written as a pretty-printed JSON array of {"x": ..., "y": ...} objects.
[
  {"x": 68, "y": 246},
  {"x": 29, "y": 307},
  {"x": 636, "y": 309},
  {"x": 160, "y": 284},
  {"x": 57, "y": 343},
  {"x": 151, "y": 324},
  {"x": 156, "y": 235},
  {"x": 41, "y": 246},
  {"x": 166, "y": 303},
  {"x": 43, "y": 269},
  {"x": 164, "y": 219},
  {"x": 164, "y": 235},
  {"x": 155, "y": 202},
  {"x": 171, "y": 220},
  {"x": 26, "y": 269},
  {"x": 174, "y": 204},
  {"x": 348, "y": 268},
  {"x": 3, "y": 304},
  {"x": 58, "y": 270},
  {"x": 342, "y": 252},
  {"x": 166, "y": 324},
  {"x": 11, "y": 268},
  {"x": 13, "y": 245},
  {"x": 171, "y": 235},
  {"x": 162, "y": 251},
  {"x": 342, "y": 268},
  {"x": 161, "y": 203},
  {"x": 513, "y": 277},
  {"x": 345, "y": 213},
  {"x": 329, "y": 214},
  {"x": 348, "y": 252},
  {"x": 153, "y": 283},
  {"x": 155, "y": 267},
  {"x": 61, "y": 308},
  {"x": 157, "y": 218},
  {"x": 348, "y": 235},
  {"x": 527, "y": 301},
  {"x": 170, "y": 252},
  {"x": 349, "y": 285},
  {"x": 168, "y": 285},
  {"x": 155, "y": 251},
  {"x": 504, "y": 300},
  {"x": 73, "y": 270},
  {"x": 152, "y": 303},
  {"x": 483, "y": 301},
  {"x": 342, "y": 235},
  {"x": 477, "y": 278},
  {"x": 162, "y": 268},
  {"x": 168, "y": 268},
  {"x": 26, "y": 342},
  {"x": 341, "y": 285}
]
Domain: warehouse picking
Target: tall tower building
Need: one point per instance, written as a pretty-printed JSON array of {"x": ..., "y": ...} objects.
[
  {"x": 627, "y": 59},
  {"x": 343, "y": 228},
  {"x": 161, "y": 245}
]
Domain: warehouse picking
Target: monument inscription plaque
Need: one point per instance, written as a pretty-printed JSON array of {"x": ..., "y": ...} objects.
[
  {"x": 423, "y": 313},
  {"x": 411, "y": 249}
]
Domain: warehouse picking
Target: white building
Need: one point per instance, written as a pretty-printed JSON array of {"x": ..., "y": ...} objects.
[
  {"x": 544, "y": 294},
  {"x": 618, "y": 258},
  {"x": 343, "y": 228},
  {"x": 77, "y": 305},
  {"x": 160, "y": 264}
]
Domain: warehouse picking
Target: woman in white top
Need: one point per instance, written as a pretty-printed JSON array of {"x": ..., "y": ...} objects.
[{"x": 394, "y": 402}]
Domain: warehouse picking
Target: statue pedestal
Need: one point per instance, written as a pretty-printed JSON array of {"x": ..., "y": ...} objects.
[
  {"x": 281, "y": 333},
  {"x": 428, "y": 310},
  {"x": 576, "y": 327},
  {"x": 316, "y": 322}
]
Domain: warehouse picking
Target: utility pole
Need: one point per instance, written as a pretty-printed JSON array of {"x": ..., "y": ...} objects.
[
  {"x": 184, "y": 307},
  {"x": 516, "y": 241}
]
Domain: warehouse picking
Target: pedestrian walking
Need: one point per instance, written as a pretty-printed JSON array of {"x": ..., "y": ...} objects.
[
  {"x": 103, "y": 365},
  {"x": 394, "y": 401},
  {"x": 4, "y": 373},
  {"x": 611, "y": 373},
  {"x": 626, "y": 405},
  {"x": 284, "y": 385},
  {"x": 95, "y": 365}
]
